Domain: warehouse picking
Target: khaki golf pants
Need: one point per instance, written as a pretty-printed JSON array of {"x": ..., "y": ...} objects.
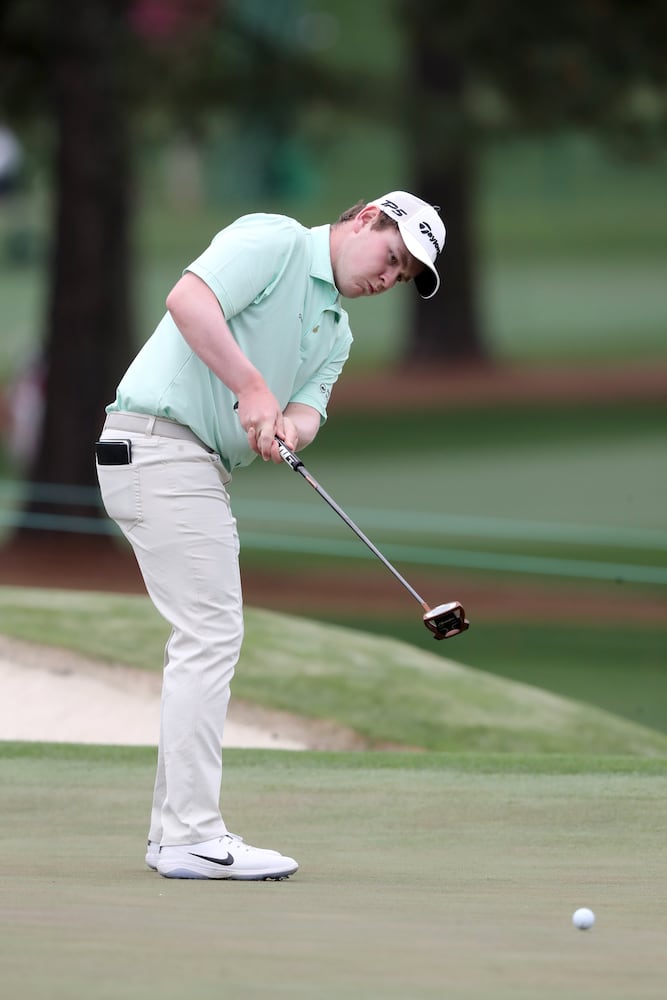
[{"x": 171, "y": 504}]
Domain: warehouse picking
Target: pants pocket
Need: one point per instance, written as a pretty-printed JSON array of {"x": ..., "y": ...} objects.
[{"x": 121, "y": 493}]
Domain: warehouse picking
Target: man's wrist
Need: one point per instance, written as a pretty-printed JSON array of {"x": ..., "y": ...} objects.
[{"x": 247, "y": 382}]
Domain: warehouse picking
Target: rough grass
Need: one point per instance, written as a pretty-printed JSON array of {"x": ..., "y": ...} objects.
[
  {"x": 389, "y": 692},
  {"x": 605, "y": 664}
]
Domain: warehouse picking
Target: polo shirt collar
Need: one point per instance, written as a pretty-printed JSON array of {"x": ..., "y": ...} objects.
[{"x": 321, "y": 262}]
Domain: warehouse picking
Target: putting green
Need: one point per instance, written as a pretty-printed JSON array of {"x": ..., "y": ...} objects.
[{"x": 422, "y": 875}]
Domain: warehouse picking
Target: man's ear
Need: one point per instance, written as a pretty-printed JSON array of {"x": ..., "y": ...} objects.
[{"x": 365, "y": 217}]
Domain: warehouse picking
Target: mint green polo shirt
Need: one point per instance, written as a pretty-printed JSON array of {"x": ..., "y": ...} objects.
[{"x": 274, "y": 282}]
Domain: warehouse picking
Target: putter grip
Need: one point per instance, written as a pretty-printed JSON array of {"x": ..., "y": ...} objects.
[{"x": 288, "y": 456}]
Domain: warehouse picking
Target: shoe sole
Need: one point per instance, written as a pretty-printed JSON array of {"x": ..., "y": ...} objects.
[{"x": 257, "y": 876}]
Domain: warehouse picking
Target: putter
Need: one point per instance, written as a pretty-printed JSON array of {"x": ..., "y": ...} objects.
[{"x": 444, "y": 621}]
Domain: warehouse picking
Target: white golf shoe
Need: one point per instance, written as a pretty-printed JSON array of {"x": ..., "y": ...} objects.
[
  {"x": 152, "y": 853},
  {"x": 225, "y": 857}
]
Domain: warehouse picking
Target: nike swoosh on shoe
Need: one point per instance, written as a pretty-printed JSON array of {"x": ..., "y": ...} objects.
[{"x": 229, "y": 860}]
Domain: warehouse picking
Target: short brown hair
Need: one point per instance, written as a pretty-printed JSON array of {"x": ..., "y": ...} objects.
[{"x": 383, "y": 220}]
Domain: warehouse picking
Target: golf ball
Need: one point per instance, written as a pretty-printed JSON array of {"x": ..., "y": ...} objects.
[{"x": 583, "y": 918}]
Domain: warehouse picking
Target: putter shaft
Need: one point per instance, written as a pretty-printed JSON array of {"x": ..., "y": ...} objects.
[{"x": 297, "y": 465}]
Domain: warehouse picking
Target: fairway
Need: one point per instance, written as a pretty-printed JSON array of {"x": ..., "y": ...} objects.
[{"x": 422, "y": 875}]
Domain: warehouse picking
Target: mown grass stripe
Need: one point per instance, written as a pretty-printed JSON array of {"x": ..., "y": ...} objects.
[
  {"x": 426, "y": 523},
  {"x": 462, "y": 558}
]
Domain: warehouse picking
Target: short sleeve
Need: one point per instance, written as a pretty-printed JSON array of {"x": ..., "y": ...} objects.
[{"x": 244, "y": 261}]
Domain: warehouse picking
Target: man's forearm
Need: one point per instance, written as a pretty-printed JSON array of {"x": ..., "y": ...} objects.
[{"x": 306, "y": 421}]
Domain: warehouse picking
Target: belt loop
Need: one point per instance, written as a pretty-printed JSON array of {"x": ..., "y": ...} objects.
[{"x": 150, "y": 425}]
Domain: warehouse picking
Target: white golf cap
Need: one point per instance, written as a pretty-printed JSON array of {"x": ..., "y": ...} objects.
[{"x": 423, "y": 233}]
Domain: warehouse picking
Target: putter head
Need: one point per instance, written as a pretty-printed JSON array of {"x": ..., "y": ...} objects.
[{"x": 446, "y": 620}]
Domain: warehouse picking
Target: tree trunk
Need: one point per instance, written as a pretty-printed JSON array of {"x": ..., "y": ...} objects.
[
  {"x": 447, "y": 327},
  {"x": 88, "y": 342}
]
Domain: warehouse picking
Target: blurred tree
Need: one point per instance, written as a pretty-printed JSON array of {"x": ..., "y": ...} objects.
[
  {"x": 62, "y": 64},
  {"x": 89, "y": 334},
  {"x": 88, "y": 70},
  {"x": 482, "y": 69}
]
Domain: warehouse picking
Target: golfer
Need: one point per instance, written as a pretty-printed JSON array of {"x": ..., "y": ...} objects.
[{"x": 252, "y": 342}]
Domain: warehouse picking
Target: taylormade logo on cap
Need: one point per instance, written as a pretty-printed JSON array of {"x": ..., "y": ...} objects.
[
  {"x": 428, "y": 233},
  {"x": 422, "y": 231}
]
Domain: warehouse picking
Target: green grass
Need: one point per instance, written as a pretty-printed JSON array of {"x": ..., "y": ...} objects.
[
  {"x": 576, "y": 310},
  {"x": 617, "y": 667},
  {"x": 516, "y": 425},
  {"x": 387, "y": 691},
  {"x": 421, "y": 876},
  {"x": 563, "y": 199}
]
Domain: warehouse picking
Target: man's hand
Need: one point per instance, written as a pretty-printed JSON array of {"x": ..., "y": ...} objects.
[
  {"x": 262, "y": 419},
  {"x": 290, "y": 437},
  {"x": 301, "y": 423}
]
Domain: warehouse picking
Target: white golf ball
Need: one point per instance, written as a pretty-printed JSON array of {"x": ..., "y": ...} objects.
[{"x": 583, "y": 918}]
